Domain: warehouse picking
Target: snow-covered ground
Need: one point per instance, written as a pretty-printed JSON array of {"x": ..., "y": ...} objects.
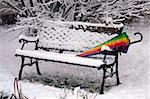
[{"x": 133, "y": 69}]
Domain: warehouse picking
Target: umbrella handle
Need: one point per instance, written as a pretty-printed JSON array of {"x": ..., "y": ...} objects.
[{"x": 141, "y": 38}]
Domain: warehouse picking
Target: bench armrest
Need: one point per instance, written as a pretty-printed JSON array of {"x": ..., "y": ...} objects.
[
  {"x": 110, "y": 53},
  {"x": 110, "y": 65},
  {"x": 24, "y": 39},
  {"x": 28, "y": 39},
  {"x": 106, "y": 65},
  {"x": 106, "y": 52}
]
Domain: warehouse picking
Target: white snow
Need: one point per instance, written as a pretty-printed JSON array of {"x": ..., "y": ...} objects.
[
  {"x": 6, "y": 81},
  {"x": 106, "y": 48},
  {"x": 40, "y": 91},
  {"x": 120, "y": 25},
  {"x": 28, "y": 38}
]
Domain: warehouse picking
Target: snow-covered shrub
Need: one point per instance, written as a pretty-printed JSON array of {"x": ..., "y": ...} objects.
[
  {"x": 104, "y": 10},
  {"x": 81, "y": 10},
  {"x": 31, "y": 13}
]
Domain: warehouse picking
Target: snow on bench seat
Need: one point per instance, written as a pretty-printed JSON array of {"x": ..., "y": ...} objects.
[
  {"x": 28, "y": 38},
  {"x": 60, "y": 57}
]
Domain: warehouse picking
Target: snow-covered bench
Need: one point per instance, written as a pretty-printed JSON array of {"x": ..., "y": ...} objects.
[{"x": 59, "y": 41}]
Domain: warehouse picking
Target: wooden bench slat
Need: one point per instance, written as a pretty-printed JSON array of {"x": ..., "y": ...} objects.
[{"x": 69, "y": 58}]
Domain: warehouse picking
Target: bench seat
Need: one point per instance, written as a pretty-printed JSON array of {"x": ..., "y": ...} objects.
[{"x": 60, "y": 57}]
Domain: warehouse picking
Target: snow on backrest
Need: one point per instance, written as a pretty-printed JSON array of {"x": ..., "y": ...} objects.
[{"x": 65, "y": 35}]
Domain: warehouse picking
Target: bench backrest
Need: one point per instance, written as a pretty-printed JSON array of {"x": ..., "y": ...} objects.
[{"x": 75, "y": 36}]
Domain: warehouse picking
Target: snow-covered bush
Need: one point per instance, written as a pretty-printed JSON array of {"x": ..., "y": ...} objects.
[
  {"x": 81, "y": 10},
  {"x": 32, "y": 12}
]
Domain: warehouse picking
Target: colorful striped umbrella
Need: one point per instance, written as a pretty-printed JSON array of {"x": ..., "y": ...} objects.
[{"x": 119, "y": 43}]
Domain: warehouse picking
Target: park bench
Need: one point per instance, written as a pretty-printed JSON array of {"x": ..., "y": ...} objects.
[{"x": 59, "y": 41}]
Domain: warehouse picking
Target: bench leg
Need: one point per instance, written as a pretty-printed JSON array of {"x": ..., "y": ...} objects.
[
  {"x": 22, "y": 65},
  {"x": 117, "y": 74},
  {"x": 37, "y": 67},
  {"x": 103, "y": 81}
]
